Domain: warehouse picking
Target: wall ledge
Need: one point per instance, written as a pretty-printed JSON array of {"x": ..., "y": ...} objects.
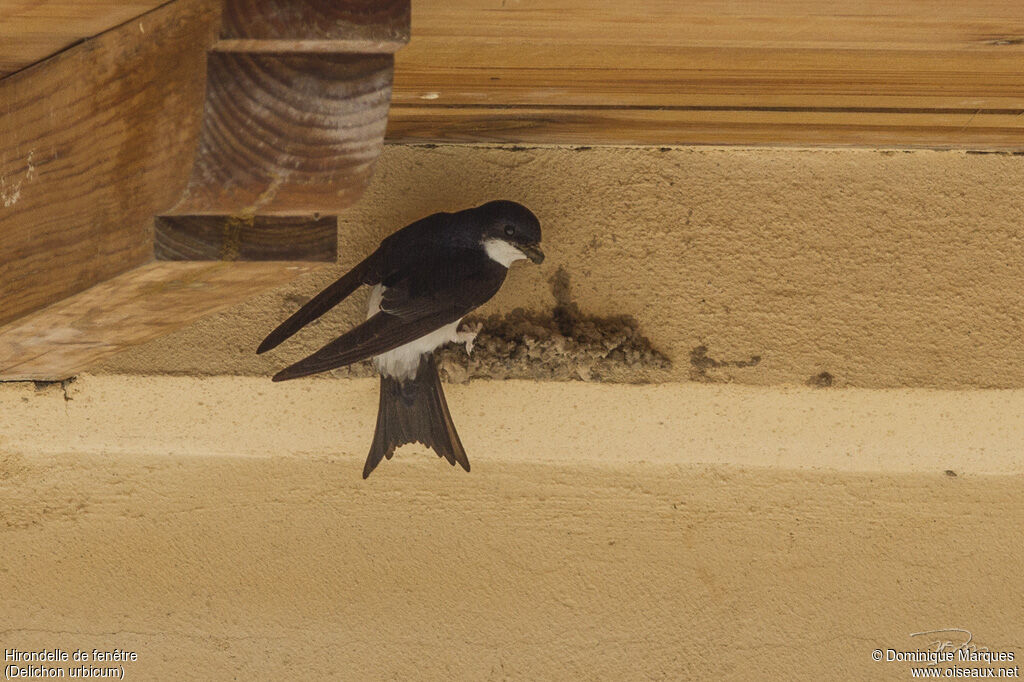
[{"x": 563, "y": 424}]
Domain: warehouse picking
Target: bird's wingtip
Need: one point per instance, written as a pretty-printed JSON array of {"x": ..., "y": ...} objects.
[{"x": 267, "y": 344}]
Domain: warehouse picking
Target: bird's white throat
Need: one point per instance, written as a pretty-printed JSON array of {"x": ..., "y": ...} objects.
[{"x": 502, "y": 252}]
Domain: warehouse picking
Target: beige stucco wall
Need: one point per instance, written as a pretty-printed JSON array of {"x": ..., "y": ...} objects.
[
  {"x": 739, "y": 526},
  {"x": 219, "y": 528},
  {"x": 896, "y": 431},
  {"x": 882, "y": 268},
  {"x": 291, "y": 568}
]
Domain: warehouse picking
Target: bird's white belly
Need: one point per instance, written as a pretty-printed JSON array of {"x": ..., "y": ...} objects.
[{"x": 402, "y": 362}]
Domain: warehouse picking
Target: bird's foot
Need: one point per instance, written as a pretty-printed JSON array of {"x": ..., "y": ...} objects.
[{"x": 467, "y": 335}]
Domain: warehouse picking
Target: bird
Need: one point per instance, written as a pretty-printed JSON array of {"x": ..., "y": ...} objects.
[{"x": 424, "y": 279}]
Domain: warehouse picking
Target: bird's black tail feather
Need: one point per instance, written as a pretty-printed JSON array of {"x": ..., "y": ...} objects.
[{"x": 415, "y": 410}]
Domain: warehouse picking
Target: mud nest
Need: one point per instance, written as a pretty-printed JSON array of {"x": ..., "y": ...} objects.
[{"x": 561, "y": 346}]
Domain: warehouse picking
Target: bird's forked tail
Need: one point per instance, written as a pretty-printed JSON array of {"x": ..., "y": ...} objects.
[{"x": 414, "y": 410}]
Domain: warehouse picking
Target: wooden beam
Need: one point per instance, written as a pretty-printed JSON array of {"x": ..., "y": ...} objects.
[
  {"x": 32, "y": 31},
  {"x": 67, "y": 337},
  {"x": 341, "y": 20},
  {"x": 281, "y": 120},
  {"x": 288, "y": 133},
  {"x": 666, "y": 126},
  {"x": 296, "y": 106},
  {"x": 943, "y": 74},
  {"x": 248, "y": 238},
  {"x": 93, "y": 143}
]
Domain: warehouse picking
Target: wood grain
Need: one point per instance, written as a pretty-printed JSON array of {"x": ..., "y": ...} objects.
[
  {"x": 141, "y": 120},
  {"x": 288, "y": 134},
  {"x": 296, "y": 105},
  {"x": 351, "y": 46},
  {"x": 32, "y": 30},
  {"x": 863, "y": 72},
  {"x": 928, "y": 73},
  {"x": 93, "y": 143},
  {"x": 665, "y": 126},
  {"x": 369, "y": 20},
  {"x": 248, "y": 238},
  {"x": 67, "y": 337}
]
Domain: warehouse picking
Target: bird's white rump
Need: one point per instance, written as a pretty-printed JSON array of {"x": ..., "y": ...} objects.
[{"x": 401, "y": 363}]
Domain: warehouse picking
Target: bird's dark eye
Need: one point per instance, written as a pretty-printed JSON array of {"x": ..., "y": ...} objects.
[{"x": 510, "y": 230}]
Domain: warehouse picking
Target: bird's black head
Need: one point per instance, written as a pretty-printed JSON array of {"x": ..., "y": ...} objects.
[{"x": 509, "y": 232}]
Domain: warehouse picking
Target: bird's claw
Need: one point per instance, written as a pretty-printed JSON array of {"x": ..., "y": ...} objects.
[{"x": 467, "y": 336}]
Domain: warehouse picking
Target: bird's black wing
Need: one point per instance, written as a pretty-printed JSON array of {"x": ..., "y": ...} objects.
[
  {"x": 395, "y": 255},
  {"x": 424, "y": 298},
  {"x": 320, "y": 304}
]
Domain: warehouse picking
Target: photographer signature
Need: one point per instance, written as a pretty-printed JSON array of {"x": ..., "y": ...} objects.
[{"x": 950, "y": 639}]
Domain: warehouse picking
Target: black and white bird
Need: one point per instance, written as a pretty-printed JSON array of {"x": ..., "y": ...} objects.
[{"x": 425, "y": 278}]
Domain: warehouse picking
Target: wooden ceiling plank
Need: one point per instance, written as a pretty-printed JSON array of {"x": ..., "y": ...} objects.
[
  {"x": 479, "y": 72},
  {"x": 804, "y": 71},
  {"x": 587, "y": 126}
]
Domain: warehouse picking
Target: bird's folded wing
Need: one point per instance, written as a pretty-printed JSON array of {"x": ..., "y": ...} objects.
[
  {"x": 320, "y": 304},
  {"x": 463, "y": 281},
  {"x": 379, "y": 334},
  {"x": 425, "y": 299}
]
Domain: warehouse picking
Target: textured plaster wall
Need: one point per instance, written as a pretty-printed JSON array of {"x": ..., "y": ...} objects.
[
  {"x": 689, "y": 424},
  {"x": 223, "y": 567},
  {"x": 218, "y": 527},
  {"x": 554, "y": 423},
  {"x": 877, "y": 268},
  {"x": 684, "y": 529}
]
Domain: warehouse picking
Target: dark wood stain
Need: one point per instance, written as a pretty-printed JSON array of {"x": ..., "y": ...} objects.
[{"x": 249, "y": 238}]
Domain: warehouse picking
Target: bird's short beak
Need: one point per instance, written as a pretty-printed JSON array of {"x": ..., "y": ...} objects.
[{"x": 533, "y": 252}]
